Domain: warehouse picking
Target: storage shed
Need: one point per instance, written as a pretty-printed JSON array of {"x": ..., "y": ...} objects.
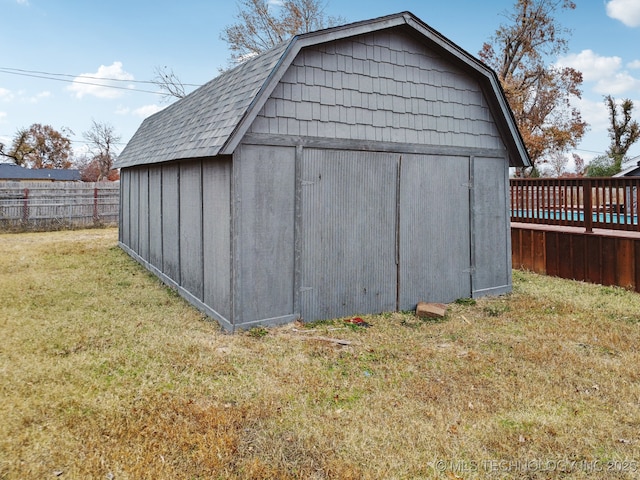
[{"x": 352, "y": 170}]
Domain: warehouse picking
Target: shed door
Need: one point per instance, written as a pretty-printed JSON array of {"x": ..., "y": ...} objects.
[
  {"x": 435, "y": 256},
  {"x": 348, "y": 241},
  {"x": 382, "y": 231}
]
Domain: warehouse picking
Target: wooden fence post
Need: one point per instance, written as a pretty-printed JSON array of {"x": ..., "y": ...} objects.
[
  {"x": 25, "y": 205},
  {"x": 587, "y": 206},
  {"x": 95, "y": 204}
]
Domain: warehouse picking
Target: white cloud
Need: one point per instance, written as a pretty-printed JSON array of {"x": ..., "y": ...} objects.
[
  {"x": 147, "y": 110},
  {"x": 595, "y": 114},
  {"x": 3, "y": 115},
  {"x": 101, "y": 83},
  {"x": 627, "y": 11},
  {"x": 634, "y": 64},
  {"x": 617, "y": 84},
  {"x": 39, "y": 96},
  {"x": 6, "y": 95},
  {"x": 142, "y": 112},
  {"x": 23, "y": 2},
  {"x": 605, "y": 72},
  {"x": 593, "y": 66}
]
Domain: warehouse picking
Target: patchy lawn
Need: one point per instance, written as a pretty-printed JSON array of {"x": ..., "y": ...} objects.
[{"x": 106, "y": 373}]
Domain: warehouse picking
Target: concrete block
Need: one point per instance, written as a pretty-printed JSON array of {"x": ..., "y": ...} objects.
[{"x": 431, "y": 310}]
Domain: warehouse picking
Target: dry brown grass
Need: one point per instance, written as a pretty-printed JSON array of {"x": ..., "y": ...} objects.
[{"x": 105, "y": 373}]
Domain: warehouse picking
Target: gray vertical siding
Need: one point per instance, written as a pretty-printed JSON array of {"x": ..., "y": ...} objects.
[
  {"x": 134, "y": 198},
  {"x": 348, "y": 263},
  {"x": 125, "y": 206},
  {"x": 492, "y": 238},
  {"x": 143, "y": 217},
  {"x": 216, "y": 201},
  {"x": 264, "y": 224},
  {"x": 155, "y": 216},
  {"x": 171, "y": 221},
  {"x": 384, "y": 87},
  {"x": 434, "y": 230},
  {"x": 191, "y": 248}
]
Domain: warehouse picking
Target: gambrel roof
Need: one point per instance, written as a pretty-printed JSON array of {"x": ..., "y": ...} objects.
[{"x": 213, "y": 119}]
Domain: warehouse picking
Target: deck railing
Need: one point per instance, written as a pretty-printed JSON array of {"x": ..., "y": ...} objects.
[{"x": 608, "y": 203}]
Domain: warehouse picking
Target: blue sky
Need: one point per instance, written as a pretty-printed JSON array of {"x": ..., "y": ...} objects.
[{"x": 126, "y": 39}]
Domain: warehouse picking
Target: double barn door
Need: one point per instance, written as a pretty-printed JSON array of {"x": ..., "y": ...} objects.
[{"x": 382, "y": 231}]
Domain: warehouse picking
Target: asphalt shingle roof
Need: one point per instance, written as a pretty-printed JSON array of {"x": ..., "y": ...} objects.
[
  {"x": 9, "y": 171},
  {"x": 199, "y": 124}
]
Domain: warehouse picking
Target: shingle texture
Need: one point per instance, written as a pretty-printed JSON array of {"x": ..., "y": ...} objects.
[
  {"x": 385, "y": 87},
  {"x": 15, "y": 172},
  {"x": 199, "y": 124}
]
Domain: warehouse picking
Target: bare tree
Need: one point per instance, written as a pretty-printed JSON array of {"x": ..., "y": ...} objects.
[
  {"x": 102, "y": 139},
  {"x": 557, "y": 163},
  {"x": 623, "y": 131},
  {"x": 579, "y": 163},
  {"x": 261, "y": 26},
  {"x": 169, "y": 83}
]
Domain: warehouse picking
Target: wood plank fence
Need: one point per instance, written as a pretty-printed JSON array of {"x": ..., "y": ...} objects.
[
  {"x": 39, "y": 206},
  {"x": 582, "y": 229}
]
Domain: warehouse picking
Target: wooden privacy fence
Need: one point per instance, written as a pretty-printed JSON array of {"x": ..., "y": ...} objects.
[
  {"x": 57, "y": 205},
  {"x": 609, "y": 203}
]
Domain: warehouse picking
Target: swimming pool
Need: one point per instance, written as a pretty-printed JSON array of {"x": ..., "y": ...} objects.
[{"x": 575, "y": 216}]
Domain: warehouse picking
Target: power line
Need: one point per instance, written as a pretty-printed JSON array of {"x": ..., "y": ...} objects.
[
  {"x": 20, "y": 70},
  {"x": 80, "y": 82},
  {"x": 52, "y": 76}
]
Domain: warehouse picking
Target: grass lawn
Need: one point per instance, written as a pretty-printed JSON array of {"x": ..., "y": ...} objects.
[{"x": 107, "y": 374}]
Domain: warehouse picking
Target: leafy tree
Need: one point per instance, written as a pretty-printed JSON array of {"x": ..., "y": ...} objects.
[
  {"x": 259, "y": 26},
  {"x": 99, "y": 165},
  {"x": 40, "y": 146},
  {"x": 623, "y": 131},
  {"x": 539, "y": 94},
  {"x": 603, "y": 166}
]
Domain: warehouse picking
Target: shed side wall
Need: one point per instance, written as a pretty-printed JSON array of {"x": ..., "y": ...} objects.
[
  {"x": 155, "y": 216},
  {"x": 216, "y": 213},
  {"x": 134, "y": 213},
  {"x": 143, "y": 216},
  {"x": 125, "y": 206},
  {"x": 177, "y": 221},
  {"x": 264, "y": 211},
  {"x": 491, "y": 233},
  {"x": 171, "y": 221},
  {"x": 384, "y": 87},
  {"x": 191, "y": 248}
]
